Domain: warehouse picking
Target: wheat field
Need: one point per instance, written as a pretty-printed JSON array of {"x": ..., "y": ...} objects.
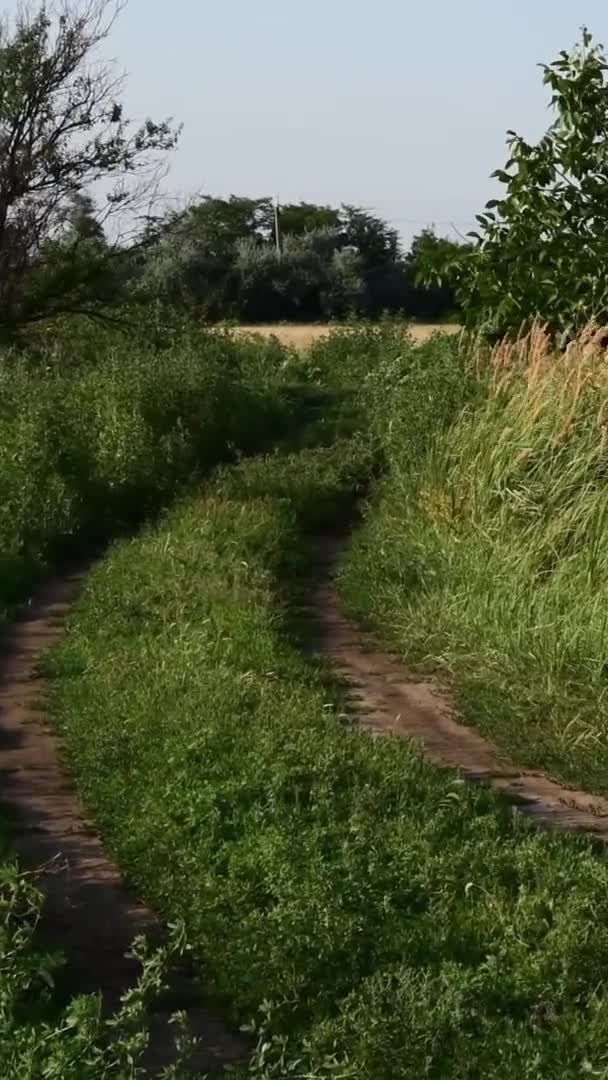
[{"x": 301, "y": 335}]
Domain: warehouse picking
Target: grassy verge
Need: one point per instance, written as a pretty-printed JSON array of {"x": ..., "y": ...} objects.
[
  {"x": 485, "y": 551},
  {"x": 92, "y": 447},
  {"x": 373, "y": 917}
]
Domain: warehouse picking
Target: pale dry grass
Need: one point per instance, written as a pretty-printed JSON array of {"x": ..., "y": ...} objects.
[
  {"x": 551, "y": 395},
  {"x": 301, "y": 335}
]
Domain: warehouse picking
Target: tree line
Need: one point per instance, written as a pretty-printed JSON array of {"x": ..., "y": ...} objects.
[
  {"x": 223, "y": 258},
  {"x": 64, "y": 138}
]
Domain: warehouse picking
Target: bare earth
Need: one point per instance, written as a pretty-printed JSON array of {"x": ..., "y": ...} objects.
[
  {"x": 300, "y": 336},
  {"x": 88, "y": 912}
]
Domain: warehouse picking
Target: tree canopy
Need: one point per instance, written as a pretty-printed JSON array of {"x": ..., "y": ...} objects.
[{"x": 219, "y": 256}]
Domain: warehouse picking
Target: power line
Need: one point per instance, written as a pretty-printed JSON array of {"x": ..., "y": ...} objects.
[{"x": 431, "y": 221}]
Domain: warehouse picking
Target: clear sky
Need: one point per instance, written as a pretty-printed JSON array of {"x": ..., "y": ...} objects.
[{"x": 398, "y": 105}]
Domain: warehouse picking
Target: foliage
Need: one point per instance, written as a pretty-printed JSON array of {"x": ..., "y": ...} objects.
[
  {"x": 219, "y": 258},
  {"x": 62, "y": 130},
  {"x": 300, "y": 218},
  {"x": 374, "y": 917},
  {"x": 432, "y": 260},
  {"x": 315, "y": 276},
  {"x": 540, "y": 246}
]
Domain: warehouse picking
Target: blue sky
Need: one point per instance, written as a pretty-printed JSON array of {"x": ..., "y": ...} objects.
[{"x": 398, "y": 105}]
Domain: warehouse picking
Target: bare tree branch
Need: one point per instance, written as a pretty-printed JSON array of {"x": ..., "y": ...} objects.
[{"x": 62, "y": 131}]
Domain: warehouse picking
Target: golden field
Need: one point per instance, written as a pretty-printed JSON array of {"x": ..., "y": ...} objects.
[{"x": 301, "y": 335}]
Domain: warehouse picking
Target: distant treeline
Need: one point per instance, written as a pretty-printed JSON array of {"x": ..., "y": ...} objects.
[{"x": 223, "y": 258}]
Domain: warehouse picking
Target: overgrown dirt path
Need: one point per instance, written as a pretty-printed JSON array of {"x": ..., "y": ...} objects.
[
  {"x": 88, "y": 912},
  {"x": 389, "y": 701}
]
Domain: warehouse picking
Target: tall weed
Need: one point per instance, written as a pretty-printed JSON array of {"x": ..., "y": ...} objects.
[{"x": 91, "y": 449}]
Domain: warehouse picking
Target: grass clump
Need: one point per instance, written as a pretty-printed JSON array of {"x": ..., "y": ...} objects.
[{"x": 370, "y": 916}]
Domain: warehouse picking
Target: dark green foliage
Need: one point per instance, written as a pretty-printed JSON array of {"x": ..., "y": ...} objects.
[
  {"x": 431, "y": 258},
  {"x": 300, "y": 218},
  {"x": 219, "y": 257}
]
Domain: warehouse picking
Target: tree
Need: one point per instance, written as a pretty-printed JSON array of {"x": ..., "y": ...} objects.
[
  {"x": 218, "y": 257},
  {"x": 216, "y": 225},
  {"x": 62, "y": 132},
  {"x": 432, "y": 290},
  {"x": 343, "y": 294},
  {"x": 377, "y": 245},
  {"x": 189, "y": 257},
  {"x": 540, "y": 249},
  {"x": 82, "y": 220},
  {"x": 299, "y": 218},
  {"x": 308, "y": 281}
]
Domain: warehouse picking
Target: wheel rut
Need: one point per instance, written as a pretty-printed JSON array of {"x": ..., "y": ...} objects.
[
  {"x": 389, "y": 701},
  {"x": 88, "y": 912}
]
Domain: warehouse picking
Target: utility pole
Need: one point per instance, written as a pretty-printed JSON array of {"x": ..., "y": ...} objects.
[{"x": 277, "y": 236}]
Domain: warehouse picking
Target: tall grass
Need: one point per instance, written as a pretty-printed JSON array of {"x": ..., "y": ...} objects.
[{"x": 492, "y": 527}]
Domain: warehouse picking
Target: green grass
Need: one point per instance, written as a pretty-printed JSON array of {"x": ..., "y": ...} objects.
[
  {"x": 371, "y": 916},
  {"x": 97, "y": 436}
]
